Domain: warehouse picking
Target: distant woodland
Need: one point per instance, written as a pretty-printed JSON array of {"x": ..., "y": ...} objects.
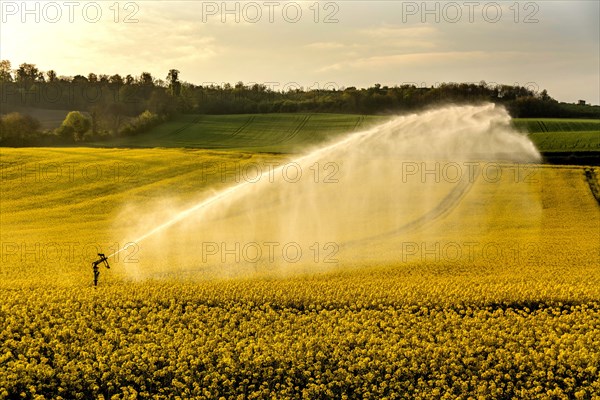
[{"x": 106, "y": 106}]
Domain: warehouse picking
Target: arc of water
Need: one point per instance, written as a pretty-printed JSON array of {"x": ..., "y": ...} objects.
[{"x": 240, "y": 187}]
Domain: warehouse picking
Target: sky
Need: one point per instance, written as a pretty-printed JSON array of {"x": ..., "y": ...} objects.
[{"x": 553, "y": 45}]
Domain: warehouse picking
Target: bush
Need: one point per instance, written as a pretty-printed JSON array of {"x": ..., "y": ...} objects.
[
  {"x": 75, "y": 125},
  {"x": 65, "y": 132},
  {"x": 141, "y": 123},
  {"x": 17, "y": 128}
]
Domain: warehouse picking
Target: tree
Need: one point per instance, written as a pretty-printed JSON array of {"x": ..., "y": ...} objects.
[
  {"x": 95, "y": 112},
  {"x": 27, "y": 73},
  {"x": 15, "y": 128},
  {"x": 545, "y": 96},
  {"x": 5, "y": 71},
  {"x": 92, "y": 77},
  {"x": 77, "y": 123},
  {"x": 129, "y": 80},
  {"x": 160, "y": 102},
  {"x": 116, "y": 79},
  {"x": 130, "y": 97},
  {"x": 146, "y": 79},
  {"x": 174, "y": 84},
  {"x": 114, "y": 114},
  {"x": 51, "y": 75}
]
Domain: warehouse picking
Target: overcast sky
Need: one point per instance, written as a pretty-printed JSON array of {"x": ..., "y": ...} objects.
[{"x": 546, "y": 44}]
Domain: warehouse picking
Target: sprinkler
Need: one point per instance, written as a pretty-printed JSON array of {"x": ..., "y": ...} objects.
[{"x": 96, "y": 269}]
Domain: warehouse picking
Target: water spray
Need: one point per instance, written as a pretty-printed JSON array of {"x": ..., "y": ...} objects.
[
  {"x": 234, "y": 189},
  {"x": 203, "y": 204},
  {"x": 377, "y": 198}
]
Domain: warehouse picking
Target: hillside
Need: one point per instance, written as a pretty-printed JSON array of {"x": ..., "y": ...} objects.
[
  {"x": 251, "y": 132},
  {"x": 292, "y": 132}
]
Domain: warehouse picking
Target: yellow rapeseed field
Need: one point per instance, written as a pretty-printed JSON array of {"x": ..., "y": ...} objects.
[{"x": 515, "y": 315}]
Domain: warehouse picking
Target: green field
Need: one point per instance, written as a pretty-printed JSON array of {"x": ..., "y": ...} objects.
[
  {"x": 562, "y": 134},
  {"x": 518, "y": 323},
  {"x": 288, "y": 133},
  {"x": 294, "y": 132},
  {"x": 254, "y": 132}
]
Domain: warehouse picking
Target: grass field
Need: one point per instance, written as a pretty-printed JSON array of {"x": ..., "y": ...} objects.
[
  {"x": 287, "y": 133},
  {"x": 562, "y": 134},
  {"x": 254, "y": 132},
  {"x": 536, "y": 125},
  {"x": 516, "y": 318},
  {"x": 293, "y": 132}
]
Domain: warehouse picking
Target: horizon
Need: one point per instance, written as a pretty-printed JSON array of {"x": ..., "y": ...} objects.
[
  {"x": 316, "y": 45},
  {"x": 283, "y": 88}
]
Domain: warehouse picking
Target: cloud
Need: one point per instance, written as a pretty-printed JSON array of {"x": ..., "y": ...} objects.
[
  {"x": 392, "y": 36},
  {"x": 399, "y": 32},
  {"x": 410, "y": 59},
  {"x": 326, "y": 45},
  {"x": 386, "y": 38}
]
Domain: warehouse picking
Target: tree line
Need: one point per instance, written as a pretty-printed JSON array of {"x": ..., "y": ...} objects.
[{"x": 116, "y": 105}]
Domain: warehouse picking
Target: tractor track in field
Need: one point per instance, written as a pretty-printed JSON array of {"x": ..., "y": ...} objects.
[
  {"x": 443, "y": 208},
  {"x": 183, "y": 128},
  {"x": 592, "y": 180},
  {"x": 243, "y": 126},
  {"x": 359, "y": 122},
  {"x": 215, "y": 142},
  {"x": 301, "y": 126},
  {"x": 220, "y": 142},
  {"x": 292, "y": 133},
  {"x": 542, "y": 126}
]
